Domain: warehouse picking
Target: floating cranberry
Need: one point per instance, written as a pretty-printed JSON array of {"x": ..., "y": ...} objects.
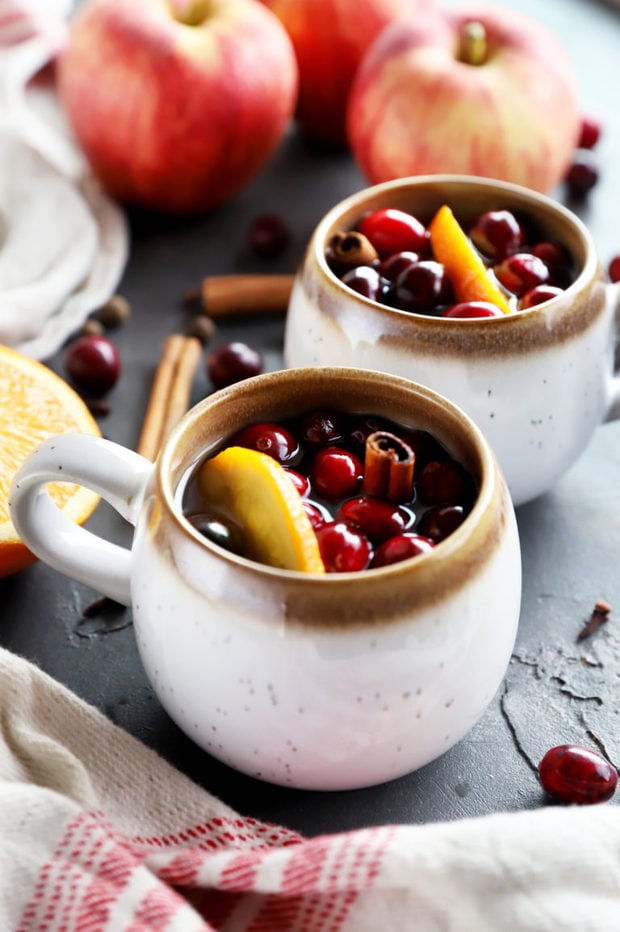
[
  {"x": 316, "y": 515},
  {"x": 521, "y": 272},
  {"x": 391, "y": 230},
  {"x": 497, "y": 234},
  {"x": 336, "y": 473},
  {"x": 473, "y": 309},
  {"x": 442, "y": 483},
  {"x": 93, "y": 364},
  {"x": 614, "y": 269},
  {"x": 574, "y": 774},
  {"x": 268, "y": 235},
  {"x": 377, "y": 518},
  {"x": 391, "y": 267},
  {"x": 320, "y": 427},
  {"x": 401, "y": 547},
  {"x": 368, "y": 282},
  {"x": 440, "y": 521},
  {"x": 583, "y": 174},
  {"x": 218, "y": 531},
  {"x": 558, "y": 260},
  {"x": 538, "y": 295},
  {"x": 301, "y": 483},
  {"x": 423, "y": 287},
  {"x": 362, "y": 430},
  {"x": 273, "y": 439},
  {"x": 343, "y": 549},
  {"x": 590, "y": 132},
  {"x": 425, "y": 446},
  {"x": 233, "y": 362}
]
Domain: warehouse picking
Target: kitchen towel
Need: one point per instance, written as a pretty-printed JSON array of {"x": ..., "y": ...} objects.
[
  {"x": 63, "y": 242},
  {"x": 99, "y": 833}
]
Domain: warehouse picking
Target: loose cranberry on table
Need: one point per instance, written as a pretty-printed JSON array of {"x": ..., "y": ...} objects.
[
  {"x": 233, "y": 362},
  {"x": 93, "y": 364},
  {"x": 590, "y": 132},
  {"x": 268, "y": 235},
  {"x": 614, "y": 269},
  {"x": 583, "y": 173},
  {"x": 578, "y": 775}
]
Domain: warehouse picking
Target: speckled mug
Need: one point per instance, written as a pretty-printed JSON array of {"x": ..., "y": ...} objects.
[
  {"x": 537, "y": 382},
  {"x": 314, "y": 681}
]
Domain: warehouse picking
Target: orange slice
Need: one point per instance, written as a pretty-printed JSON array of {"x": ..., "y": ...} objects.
[
  {"x": 35, "y": 404},
  {"x": 256, "y": 492},
  {"x": 466, "y": 270}
]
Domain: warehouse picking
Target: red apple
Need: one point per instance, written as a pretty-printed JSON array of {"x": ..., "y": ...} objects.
[
  {"x": 177, "y": 105},
  {"x": 486, "y": 92},
  {"x": 330, "y": 38}
]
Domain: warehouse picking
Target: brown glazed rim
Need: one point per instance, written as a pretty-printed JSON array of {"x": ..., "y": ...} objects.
[
  {"x": 485, "y": 193},
  {"x": 288, "y": 391}
]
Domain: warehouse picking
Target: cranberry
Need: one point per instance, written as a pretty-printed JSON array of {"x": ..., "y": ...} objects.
[
  {"x": 301, "y": 483},
  {"x": 377, "y": 518},
  {"x": 336, "y": 473},
  {"x": 233, "y": 362},
  {"x": 391, "y": 267},
  {"x": 469, "y": 309},
  {"x": 423, "y": 287},
  {"x": 219, "y": 532},
  {"x": 93, "y": 363},
  {"x": 268, "y": 235},
  {"x": 362, "y": 430},
  {"x": 442, "y": 483},
  {"x": 367, "y": 282},
  {"x": 558, "y": 260},
  {"x": 521, "y": 272},
  {"x": 320, "y": 427},
  {"x": 343, "y": 548},
  {"x": 273, "y": 439},
  {"x": 590, "y": 132},
  {"x": 316, "y": 514},
  {"x": 614, "y": 269},
  {"x": 426, "y": 447},
  {"x": 583, "y": 174},
  {"x": 497, "y": 234},
  {"x": 401, "y": 547},
  {"x": 391, "y": 230},
  {"x": 538, "y": 295},
  {"x": 441, "y": 520},
  {"x": 574, "y": 774}
]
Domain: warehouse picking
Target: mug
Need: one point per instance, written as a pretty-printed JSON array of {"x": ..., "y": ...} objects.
[
  {"x": 324, "y": 682},
  {"x": 537, "y": 382}
]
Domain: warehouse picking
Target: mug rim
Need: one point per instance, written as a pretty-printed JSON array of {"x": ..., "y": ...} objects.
[
  {"x": 491, "y": 478},
  {"x": 358, "y": 198}
]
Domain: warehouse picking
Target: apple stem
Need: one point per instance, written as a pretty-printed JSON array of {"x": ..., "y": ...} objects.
[
  {"x": 473, "y": 48},
  {"x": 190, "y": 12}
]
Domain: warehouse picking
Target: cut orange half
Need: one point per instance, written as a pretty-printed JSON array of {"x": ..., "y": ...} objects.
[
  {"x": 35, "y": 404},
  {"x": 466, "y": 270},
  {"x": 256, "y": 492}
]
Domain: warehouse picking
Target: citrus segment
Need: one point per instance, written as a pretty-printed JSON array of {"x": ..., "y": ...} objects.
[
  {"x": 256, "y": 492},
  {"x": 466, "y": 270},
  {"x": 35, "y": 404}
]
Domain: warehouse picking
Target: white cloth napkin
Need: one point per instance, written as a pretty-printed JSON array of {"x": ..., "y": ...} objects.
[
  {"x": 99, "y": 833},
  {"x": 63, "y": 243}
]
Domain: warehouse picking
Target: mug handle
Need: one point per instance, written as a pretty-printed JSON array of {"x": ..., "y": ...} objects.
[
  {"x": 613, "y": 402},
  {"x": 117, "y": 474}
]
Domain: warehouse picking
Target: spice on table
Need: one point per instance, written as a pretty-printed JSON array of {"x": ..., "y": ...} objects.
[
  {"x": 389, "y": 466},
  {"x": 170, "y": 392},
  {"x": 230, "y": 295},
  {"x": 115, "y": 311},
  {"x": 600, "y": 614}
]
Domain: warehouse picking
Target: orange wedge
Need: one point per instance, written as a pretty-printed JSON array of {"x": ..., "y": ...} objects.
[
  {"x": 35, "y": 404},
  {"x": 256, "y": 492},
  {"x": 466, "y": 270}
]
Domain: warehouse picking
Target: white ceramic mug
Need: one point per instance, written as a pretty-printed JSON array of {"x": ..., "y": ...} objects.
[
  {"x": 331, "y": 681},
  {"x": 537, "y": 382}
]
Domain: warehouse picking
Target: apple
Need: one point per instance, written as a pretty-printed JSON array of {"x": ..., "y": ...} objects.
[
  {"x": 176, "y": 105},
  {"x": 330, "y": 38},
  {"x": 480, "y": 91}
]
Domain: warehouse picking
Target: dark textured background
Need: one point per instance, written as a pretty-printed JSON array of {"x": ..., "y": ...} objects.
[{"x": 556, "y": 690}]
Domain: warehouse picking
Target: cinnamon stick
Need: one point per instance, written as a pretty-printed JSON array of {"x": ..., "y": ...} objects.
[
  {"x": 388, "y": 467},
  {"x": 170, "y": 391},
  {"x": 230, "y": 295}
]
